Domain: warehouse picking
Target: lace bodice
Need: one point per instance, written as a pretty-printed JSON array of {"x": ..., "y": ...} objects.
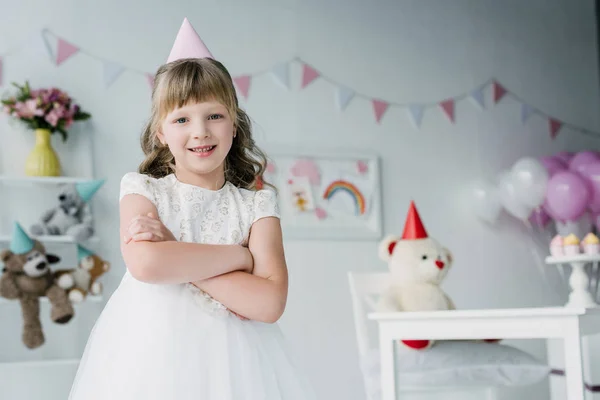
[{"x": 198, "y": 215}]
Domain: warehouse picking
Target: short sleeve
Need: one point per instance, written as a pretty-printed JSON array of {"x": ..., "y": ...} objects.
[
  {"x": 266, "y": 205},
  {"x": 135, "y": 183}
]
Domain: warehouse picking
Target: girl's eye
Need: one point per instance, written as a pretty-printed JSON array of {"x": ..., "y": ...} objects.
[
  {"x": 180, "y": 120},
  {"x": 215, "y": 116}
]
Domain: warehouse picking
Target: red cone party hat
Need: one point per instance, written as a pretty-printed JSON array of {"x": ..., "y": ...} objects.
[{"x": 413, "y": 228}]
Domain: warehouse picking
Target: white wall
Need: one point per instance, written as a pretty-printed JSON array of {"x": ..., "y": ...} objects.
[{"x": 402, "y": 51}]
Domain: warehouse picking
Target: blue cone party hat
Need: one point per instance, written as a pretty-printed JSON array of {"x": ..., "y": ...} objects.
[
  {"x": 20, "y": 243},
  {"x": 82, "y": 252},
  {"x": 88, "y": 189}
]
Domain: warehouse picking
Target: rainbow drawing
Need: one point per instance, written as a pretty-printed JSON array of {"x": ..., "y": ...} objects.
[{"x": 345, "y": 186}]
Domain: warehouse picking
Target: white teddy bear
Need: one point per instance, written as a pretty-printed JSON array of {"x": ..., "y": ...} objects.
[{"x": 418, "y": 264}]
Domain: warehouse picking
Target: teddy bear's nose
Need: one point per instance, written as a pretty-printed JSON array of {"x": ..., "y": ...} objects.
[
  {"x": 41, "y": 266},
  {"x": 62, "y": 197},
  {"x": 440, "y": 264}
]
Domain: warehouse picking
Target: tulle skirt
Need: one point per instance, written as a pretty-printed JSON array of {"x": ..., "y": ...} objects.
[{"x": 172, "y": 342}]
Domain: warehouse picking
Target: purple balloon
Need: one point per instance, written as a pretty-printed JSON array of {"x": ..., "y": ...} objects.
[
  {"x": 591, "y": 174},
  {"x": 539, "y": 217},
  {"x": 567, "y": 196},
  {"x": 581, "y": 159},
  {"x": 553, "y": 165},
  {"x": 564, "y": 156}
]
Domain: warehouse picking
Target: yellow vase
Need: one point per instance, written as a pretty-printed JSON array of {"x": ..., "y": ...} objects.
[{"x": 42, "y": 161}]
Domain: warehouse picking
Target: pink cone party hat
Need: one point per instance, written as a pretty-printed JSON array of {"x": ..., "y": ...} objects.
[{"x": 188, "y": 44}]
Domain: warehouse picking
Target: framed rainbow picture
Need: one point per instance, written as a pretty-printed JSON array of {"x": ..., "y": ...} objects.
[{"x": 327, "y": 194}]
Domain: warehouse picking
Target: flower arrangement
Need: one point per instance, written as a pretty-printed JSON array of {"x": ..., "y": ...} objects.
[{"x": 51, "y": 109}]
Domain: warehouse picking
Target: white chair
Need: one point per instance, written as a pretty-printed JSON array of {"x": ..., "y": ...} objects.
[{"x": 364, "y": 290}]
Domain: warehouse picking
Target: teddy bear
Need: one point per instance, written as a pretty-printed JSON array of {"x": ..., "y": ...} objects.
[
  {"x": 83, "y": 280},
  {"x": 418, "y": 265},
  {"x": 72, "y": 216},
  {"x": 26, "y": 277}
]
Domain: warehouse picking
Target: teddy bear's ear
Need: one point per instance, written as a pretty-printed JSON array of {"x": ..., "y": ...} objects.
[
  {"x": 386, "y": 247},
  {"x": 449, "y": 255},
  {"x": 5, "y": 255}
]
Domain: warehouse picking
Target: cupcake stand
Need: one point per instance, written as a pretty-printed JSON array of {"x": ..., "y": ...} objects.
[{"x": 579, "y": 282}]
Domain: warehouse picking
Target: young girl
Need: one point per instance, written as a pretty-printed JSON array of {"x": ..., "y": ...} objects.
[{"x": 206, "y": 280}]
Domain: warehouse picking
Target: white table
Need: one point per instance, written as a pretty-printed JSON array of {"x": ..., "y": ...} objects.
[{"x": 567, "y": 323}]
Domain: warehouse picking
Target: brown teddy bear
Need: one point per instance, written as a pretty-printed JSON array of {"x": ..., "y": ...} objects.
[
  {"x": 83, "y": 280},
  {"x": 27, "y": 277}
]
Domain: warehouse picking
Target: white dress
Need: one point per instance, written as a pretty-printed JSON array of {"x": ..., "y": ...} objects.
[{"x": 175, "y": 342}]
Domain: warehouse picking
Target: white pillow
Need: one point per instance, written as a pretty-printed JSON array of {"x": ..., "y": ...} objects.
[{"x": 460, "y": 363}]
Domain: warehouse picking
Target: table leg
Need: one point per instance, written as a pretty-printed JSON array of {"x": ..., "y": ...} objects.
[
  {"x": 388, "y": 384},
  {"x": 574, "y": 364}
]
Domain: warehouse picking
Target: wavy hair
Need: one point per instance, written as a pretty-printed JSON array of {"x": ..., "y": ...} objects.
[{"x": 196, "y": 80}]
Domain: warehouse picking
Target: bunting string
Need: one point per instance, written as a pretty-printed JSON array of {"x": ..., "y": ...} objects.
[{"x": 62, "y": 50}]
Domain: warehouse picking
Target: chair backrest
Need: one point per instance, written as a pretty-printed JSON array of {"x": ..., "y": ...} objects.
[{"x": 365, "y": 288}]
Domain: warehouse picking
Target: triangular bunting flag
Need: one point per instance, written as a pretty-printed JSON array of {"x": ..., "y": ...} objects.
[
  {"x": 309, "y": 74},
  {"x": 499, "y": 92},
  {"x": 343, "y": 97},
  {"x": 448, "y": 107},
  {"x": 0, "y": 71},
  {"x": 555, "y": 126},
  {"x": 150, "y": 80},
  {"x": 526, "y": 111},
  {"x": 64, "y": 51},
  {"x": 416, "y": 114},
  {"x": 38, "y": 46},
  {"x": 477, "y": 98},
  {"x": 243, "y": 84},
  {"x": 380, "y": 108},
  {"x": 282, "y": 75},
  {"x": 111, "y": 72}
]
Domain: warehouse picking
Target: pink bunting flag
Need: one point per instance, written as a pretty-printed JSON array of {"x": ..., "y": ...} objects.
[
  {"x": 448, "y": 107},
  {"x": 150, "y": 80},
  {"x": 380, "y": 107},
  {"x": 64, "y": 51},
  {"x": 309, "y": 74},
  {"x": 243, "y": 84},
  {"x": 499, "y": 92},
  {"x": 270, "y": 168},
  {"x": 362, "y": 167},
  {"x": 320, "y": 213},
  {"x": 555, "y": 126}
]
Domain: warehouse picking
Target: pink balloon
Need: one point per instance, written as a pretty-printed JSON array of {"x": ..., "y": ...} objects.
[
  {"x": 567, "y": 196},
  {"x": 591, "y": 174},
  {"x": 564, "y": 156},
  {"x": 581, "y": 159},
  {"x": 539, "y": 217},
  {"x": 553, "y": 165}
]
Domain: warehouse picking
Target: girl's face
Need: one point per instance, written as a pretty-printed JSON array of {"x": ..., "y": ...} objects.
[{"x": 199, "y": 136}]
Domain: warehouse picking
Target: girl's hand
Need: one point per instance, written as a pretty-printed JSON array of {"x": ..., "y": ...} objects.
[{"x": 148, "y": 228}]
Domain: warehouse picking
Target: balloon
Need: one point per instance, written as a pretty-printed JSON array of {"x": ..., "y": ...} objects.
[
  {"x": 529, "y": 178},
  {"x": 553, "y": 165},
  {"x": 539, "y": 217},
  {"x": 567, "y": 196},
  {"x": 486, "y": 203},
  {"x": 579, "y": 227},
  {"x": 582, "y": 158},
  {"x": 564, "y": 156},
  {"x": 508, "y": 198},
  {"x": 591, "y": 173}
]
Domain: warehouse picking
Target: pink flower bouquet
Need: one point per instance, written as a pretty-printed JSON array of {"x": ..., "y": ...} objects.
[{"x": 50, "y": 109}]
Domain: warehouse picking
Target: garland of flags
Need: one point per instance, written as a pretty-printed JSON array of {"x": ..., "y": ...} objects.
[{"x": 39, "y": 42}]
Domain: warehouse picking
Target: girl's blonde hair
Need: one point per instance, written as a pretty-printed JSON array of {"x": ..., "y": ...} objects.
[{"x": 196, "y": 80}]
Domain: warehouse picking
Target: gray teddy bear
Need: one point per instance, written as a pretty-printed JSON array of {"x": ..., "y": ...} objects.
[{"x": 72, "y": 216}]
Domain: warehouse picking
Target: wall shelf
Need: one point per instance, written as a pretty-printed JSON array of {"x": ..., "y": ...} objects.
[
  {"x": 35, "y": 180},
  {"x": 52, "y": 239},
  {"x": 40, "y": 363},
  {"x": 44, "y": 300}
]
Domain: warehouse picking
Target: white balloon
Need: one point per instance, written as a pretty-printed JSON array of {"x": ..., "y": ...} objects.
[
  {"x": 530, "y": 179},
  {"x": 509, "y": 199},
  {"x": 485, "y": 201}
]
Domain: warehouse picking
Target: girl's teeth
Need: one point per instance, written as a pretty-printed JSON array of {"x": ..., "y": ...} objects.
[{"x": 204, "y": 150}]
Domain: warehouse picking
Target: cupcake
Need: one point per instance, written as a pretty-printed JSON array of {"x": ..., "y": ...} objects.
[
  {"x": 590, "y": 244},
  {"x": 556, "y": 246},
  {"x": 571, "y": 245}
]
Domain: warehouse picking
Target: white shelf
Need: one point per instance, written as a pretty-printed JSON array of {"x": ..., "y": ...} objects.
[
  {"x": 34, "y": 180},
  {"x": 44, "y": 300},
  {"x": 574, "y": 258},
  {"x": 40, "y": 363},
  {"x": 52, "y": 239}
]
